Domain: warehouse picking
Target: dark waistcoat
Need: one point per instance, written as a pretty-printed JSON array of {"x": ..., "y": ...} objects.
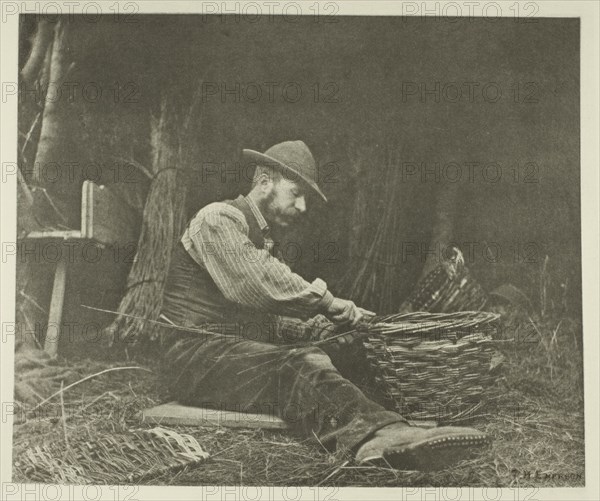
[{"x": 191, "y": 296}]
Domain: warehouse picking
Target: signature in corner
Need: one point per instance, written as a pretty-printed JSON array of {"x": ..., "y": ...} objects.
[{"x": 544, "y": 475}]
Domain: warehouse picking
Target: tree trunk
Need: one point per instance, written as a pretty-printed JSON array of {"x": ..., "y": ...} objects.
[
  {"x": 52, "y": 150},
  {"x": 41, "y": 42},
  {"x": 31, "y": 277},
  {"x": 163, "y": 220}
]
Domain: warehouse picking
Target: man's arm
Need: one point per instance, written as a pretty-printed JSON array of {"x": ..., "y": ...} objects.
[{"x": 246, "y": 275}]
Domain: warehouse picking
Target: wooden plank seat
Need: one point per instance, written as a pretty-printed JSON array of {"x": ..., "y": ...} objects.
[{"x": 175, "y": 414}]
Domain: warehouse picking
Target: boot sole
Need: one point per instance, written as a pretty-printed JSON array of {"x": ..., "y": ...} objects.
[{"x": 431, "y": 455}]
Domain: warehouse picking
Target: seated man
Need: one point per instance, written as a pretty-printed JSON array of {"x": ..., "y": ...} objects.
[{"x": 223, "y": 274}]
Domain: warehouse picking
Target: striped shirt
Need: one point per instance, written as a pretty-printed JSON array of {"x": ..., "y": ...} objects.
[{"x": 217, "y": 240}]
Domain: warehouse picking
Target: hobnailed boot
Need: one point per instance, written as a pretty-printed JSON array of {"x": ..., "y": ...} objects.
[{"x": 406, "y": 447}]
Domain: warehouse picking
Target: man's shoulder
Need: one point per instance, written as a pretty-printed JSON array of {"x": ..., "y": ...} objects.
[{"x": 216, "y": 211}]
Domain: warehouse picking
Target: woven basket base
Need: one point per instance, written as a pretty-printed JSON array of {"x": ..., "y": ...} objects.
[{"x": 115, "y": 458}]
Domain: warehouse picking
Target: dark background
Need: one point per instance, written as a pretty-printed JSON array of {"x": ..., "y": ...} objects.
[{"x": 361, "y": 66}]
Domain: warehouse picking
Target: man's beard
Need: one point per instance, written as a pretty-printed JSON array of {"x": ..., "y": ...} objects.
[
  {"x": 270, "y": 213},
  {"x": 266, "y": 208}
]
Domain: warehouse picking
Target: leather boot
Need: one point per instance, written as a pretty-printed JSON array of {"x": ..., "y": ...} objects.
[{"x": 406, "y": 447}]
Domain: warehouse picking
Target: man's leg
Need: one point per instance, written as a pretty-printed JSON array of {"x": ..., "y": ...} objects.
[
  {"x": 301, "y": 385},
  {"x": 350, "y": 359}
]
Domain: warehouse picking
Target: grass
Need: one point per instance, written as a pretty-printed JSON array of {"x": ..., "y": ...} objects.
[{"x": 535, "y": 415}]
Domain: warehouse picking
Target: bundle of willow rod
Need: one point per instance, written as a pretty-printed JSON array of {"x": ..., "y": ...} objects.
[
  {"x": 377, "y": 249},
  {"x": 110, "y": 458},
  {"x": 432, "y": 365},
  {"x": 448, "y": 287}
]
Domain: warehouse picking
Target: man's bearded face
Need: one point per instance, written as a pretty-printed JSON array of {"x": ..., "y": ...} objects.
[{"x": 284, "y": 204}]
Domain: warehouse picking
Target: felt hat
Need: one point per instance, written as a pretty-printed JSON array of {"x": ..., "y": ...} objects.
[{"x": 293, "y": 159}]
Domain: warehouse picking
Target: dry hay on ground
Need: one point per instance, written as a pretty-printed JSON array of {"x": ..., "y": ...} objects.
[{"x": 536, "y": 419}]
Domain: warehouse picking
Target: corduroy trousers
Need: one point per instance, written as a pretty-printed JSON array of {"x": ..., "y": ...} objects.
[{"x": 247, "y": 372}]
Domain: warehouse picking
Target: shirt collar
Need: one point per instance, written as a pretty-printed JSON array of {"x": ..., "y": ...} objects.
[{"x": 260, "y": 219}]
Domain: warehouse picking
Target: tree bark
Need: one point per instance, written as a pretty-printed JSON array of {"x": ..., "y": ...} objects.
[
  {"x": 41, "y": 42},
  {"x": 52, "y": 147},
  {"x": 163, "y": 220}
]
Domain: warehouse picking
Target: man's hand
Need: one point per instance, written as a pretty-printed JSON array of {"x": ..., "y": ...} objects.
[{"x": 345, "y": 312}]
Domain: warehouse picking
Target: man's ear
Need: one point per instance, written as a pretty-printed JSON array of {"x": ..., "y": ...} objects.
[{"x": 265, "y": 181}]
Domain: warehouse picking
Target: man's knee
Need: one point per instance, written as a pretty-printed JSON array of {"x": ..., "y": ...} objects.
[{"x": 311, "y": 355}]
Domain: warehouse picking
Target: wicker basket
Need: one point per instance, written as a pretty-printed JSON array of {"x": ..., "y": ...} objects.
[
  {"x": 433, "y": 366},
  {"x": 448, "y": 287}
]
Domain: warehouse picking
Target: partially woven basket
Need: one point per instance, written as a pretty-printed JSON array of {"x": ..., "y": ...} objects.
[
  {"x": 448, "y": 287},
  {"x": 433, "y": 366}
]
